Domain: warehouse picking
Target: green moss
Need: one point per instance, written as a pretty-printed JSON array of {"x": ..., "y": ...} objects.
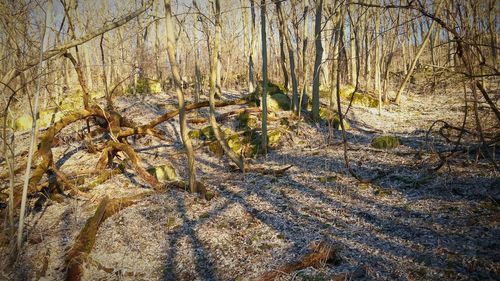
[
  {"x": 327, "y": 179},
  {"x": 234, "y": 143},
  {"x": 272, "y": 88},
  {"x": 333, "y": 118},
  {"x": 278, "y": 101},
  {"x": 379, "y": 191},
  {"x": 364, "y": 100},
  {"x": 246, "y": 121},
  {"x": 385, "y": 142},
  {"x": 336, "y": 123},
  {"x": 171, "y": 222},
  {"x": 23, "y": 123},
  {"x": 146, "y": 86},
  {"x": 273, "y": 138},
  {"x": 195, "y": 134},
  {"x": 347, "y": 92},
  {"x": 209, "y": 195},
  {"x": 216, "y": 149},
  {"x": 208, "y": 133},
  {"x": 163, "y": 173}
]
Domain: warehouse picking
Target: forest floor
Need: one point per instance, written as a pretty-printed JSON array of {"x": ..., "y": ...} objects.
[{"x": 410, "y": 223}]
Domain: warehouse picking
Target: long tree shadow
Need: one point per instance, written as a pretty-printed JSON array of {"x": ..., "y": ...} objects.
[{"x": 204, "y": 266}]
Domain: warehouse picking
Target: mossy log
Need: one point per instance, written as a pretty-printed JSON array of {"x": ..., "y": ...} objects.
[
  {"x": 321, "y": 253},
  {"x": 85, "y": 240},
  {"x": 102, "y": 178}
]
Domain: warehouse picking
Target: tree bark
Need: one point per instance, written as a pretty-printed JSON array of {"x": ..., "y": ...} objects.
[
  {"x": 417, "y": 55},
  {"x": 219, "y": 135},
  {"x": 304, "y": 58},
  {"x": 180, "y": 95},
  {"x": 317, "y": 61},
  {"x": 282, "y": 23},
  {"x": 264, "y": 74},
  {"x": 34, "y": 127}
]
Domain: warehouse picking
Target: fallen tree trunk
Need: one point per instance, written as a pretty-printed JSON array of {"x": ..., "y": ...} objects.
[{"x": 85, "y": 240}]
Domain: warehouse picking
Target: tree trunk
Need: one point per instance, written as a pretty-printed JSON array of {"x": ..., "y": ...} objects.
[
  {"x": 353, "y": 49},
  {"x": 43, "y": 46},
  {"x": 304, "y": 57},
  {"x": 251, "y": 66},
  {"x": 180, "y": 95},
  {"x": 417, "y": 55},
  {"x": 378, "y": 89},
  {"x": 219, "y": 135},
  {"x": 281, "y": 19},
  {"x": 282, "y": 31},
  {"x": 264, "y": 74},
  {"x": 317, "y": 61}
]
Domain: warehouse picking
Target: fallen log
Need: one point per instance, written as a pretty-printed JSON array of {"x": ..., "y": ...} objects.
[
  {"x": 267, "y": 170},
  {"x": 171, "y": 114},
  {"x": 85, "y": 240},
  {"x": 321, "y": 253}
]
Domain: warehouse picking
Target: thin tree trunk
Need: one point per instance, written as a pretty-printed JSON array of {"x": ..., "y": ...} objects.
[
  {"x": 492, "y": 26},
  {"x": 169, "y": 25},
  {"x": 304, "y": 58},
  {"x": 417, "y": 55},
  {"x": 251, "y": 65},
  {"x": 219, "y": 135},
  {"x": 295, "y": 91},
  {"x": 317, "y": 61},
  {"x": 378, "y": 89},
  {"x": 34, "y": 127},
  {"x": 282, "y": 31},
  {"x": 197, "y": 71},
  {"x": 264, "y": 74},
  {"x": 109, "y": 99},
  {"x": 368, "y": 68},
  {"x": 354, "y": 51}
]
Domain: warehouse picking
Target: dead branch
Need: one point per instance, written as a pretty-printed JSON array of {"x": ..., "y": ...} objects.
[
  {"x": 135, "y": 160},
  {"x": 322, "y": 253},
  {"x": 268, "y": 171},
  {"x": 61, "y": 49},
  {"x": 171, "y": 114}
]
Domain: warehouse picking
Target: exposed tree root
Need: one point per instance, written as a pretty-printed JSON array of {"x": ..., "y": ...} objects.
[
  {"x": 322, "y": 253},
  {"x": 103, "y": 177},
  {"x": 61, "y": 176},
  {"x": 200, "y": 187},
  {"x": 86, "y": 238},
  {"x": 114, "y": 147}
]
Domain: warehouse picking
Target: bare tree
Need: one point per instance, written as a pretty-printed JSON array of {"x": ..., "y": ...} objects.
[
  {"x": 169, "y": 25},
  {"x": 214, "y": 62},
  {"x": 264, "y": 74},
  {"x": 317, "y": 60},
  {"x": 44, "y": 41},
  {"x": 417, "y": 55}
]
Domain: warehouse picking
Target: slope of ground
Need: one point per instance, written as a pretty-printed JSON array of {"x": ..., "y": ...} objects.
[{"x": 410, "y": 223}]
